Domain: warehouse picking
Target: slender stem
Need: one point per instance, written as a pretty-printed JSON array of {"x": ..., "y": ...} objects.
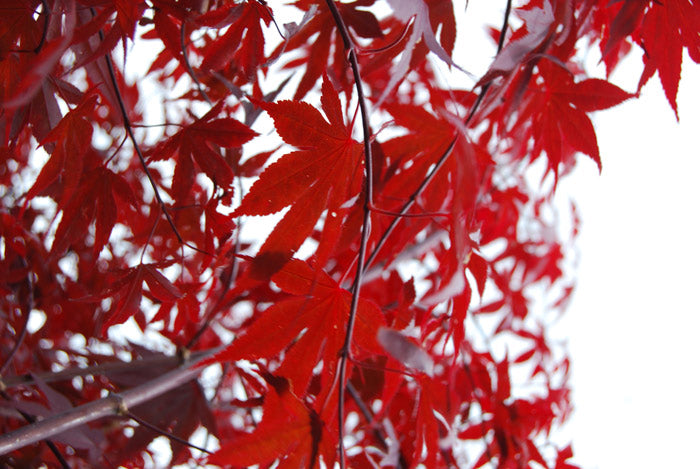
[
  {"x": 197, "y": 83},
  {"x": 504, "y": 27},
  {"x": 142, "y": 159},
  {"x": 345, "y": 351},
  {"x": 18, "y": 342},
  {"x": 45, "y": 28},
  {"x": 113, "y": 405},
  {"x": 23, "y": 331},
  {"x": 369, "y": 416},
  {"x": 229, "y": 276},
  {"x": 160, "y": 431}
]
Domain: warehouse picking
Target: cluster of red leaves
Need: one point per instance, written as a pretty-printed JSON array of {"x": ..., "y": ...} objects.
[{"x": 406, "y": 332}]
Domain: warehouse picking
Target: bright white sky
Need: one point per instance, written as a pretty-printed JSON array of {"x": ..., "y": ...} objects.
[
  {"x": 633, "y": 321},
  {"x": 634, "y": 317}
]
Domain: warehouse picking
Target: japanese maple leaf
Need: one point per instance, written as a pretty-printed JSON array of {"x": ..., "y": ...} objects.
[
  {"x": 197, "y": 143},
  {"x": 288, "y": 431},
  {"x": 559, "y": 118},
  {"x": 321, "y": 31},
  {"x": 324, "y": 174},
  {"x": 19, "y": 27},
  {"x": 313, "y": 320},
  {"x": 419, "y": 12},
  {"x": 127, "y": 292},
  {"x": 667, "y": 28},
  {"x": 535, "y": 34},
  {"x": 243, "y": 42},
  {"x": 95, "y": 200},
  {"x": 70, "y": 141},
  {"x": 128, "y": 14},
  {"x": 46, "y": 58}
]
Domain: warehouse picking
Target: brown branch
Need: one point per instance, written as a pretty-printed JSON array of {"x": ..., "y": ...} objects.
[
  {"x": 112, "y": 405},
  {"x": 190, "y": 71},
  {"x": 130, "y": 132},
  {"x": 409, "y": 203},
  {"x": 157, "y": 362},
  {"x": 31, "y": 419},
  {"x": 142, "y": 159},
  {"x": 357, "y": 284}
]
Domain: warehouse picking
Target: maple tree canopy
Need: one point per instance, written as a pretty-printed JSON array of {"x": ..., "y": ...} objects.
[{"x": 397, "y": 313}]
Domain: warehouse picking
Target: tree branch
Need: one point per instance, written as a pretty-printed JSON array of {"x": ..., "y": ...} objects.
[
  {"x": 156, "y": 362},
  {"x": 113, "y": 405},
  {"x": 357, "y": 284}
]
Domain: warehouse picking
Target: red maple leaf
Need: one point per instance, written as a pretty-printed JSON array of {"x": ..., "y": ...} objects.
[
  {"x": 197, "y": 143},
  {"x": 323, "y": 175},
  {"x": 243, "y": 42},
  {"x": 667, "y": 28},
  {"x": 288, "y": 431},
  {"x": 313, "y": 320},
  {"x": 126, "y": 292}
]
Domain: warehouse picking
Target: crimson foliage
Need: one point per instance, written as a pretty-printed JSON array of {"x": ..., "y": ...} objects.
[{"x": 399, "y": 305}]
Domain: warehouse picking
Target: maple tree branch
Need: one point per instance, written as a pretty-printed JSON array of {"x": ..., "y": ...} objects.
[
  {"x": 409, "y": 203},
  {"x": 31, "y": 419},
  {"x": 112, "y": 405},
  {"x": 357, "y": 284},
  {"x": 228, "y": 278},
  {"x": 504, "y": 27},
  {"x": 501, "y": 42},
  {"x": 156, "y": 362},
  {"x": 18, "y": 342}
]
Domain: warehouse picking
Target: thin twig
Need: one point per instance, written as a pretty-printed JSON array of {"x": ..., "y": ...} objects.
[
  {"x": 167, "y": 434},
  {"x": 369, "y": 416},
  {"x": 189, "y": 67},
  {"x": 409, "y": 203},
  {"x": 46, "y": 13},
  {"x": 142, "y": 159},
  {"x": 229, "y": 277},
  {"x": 23, "y": 331},
  {"x": 137, "y": 148},
  {"x": 345, "y": 351}
]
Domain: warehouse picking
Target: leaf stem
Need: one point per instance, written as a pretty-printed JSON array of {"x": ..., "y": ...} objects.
[{"x": 190, "y": 71}]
